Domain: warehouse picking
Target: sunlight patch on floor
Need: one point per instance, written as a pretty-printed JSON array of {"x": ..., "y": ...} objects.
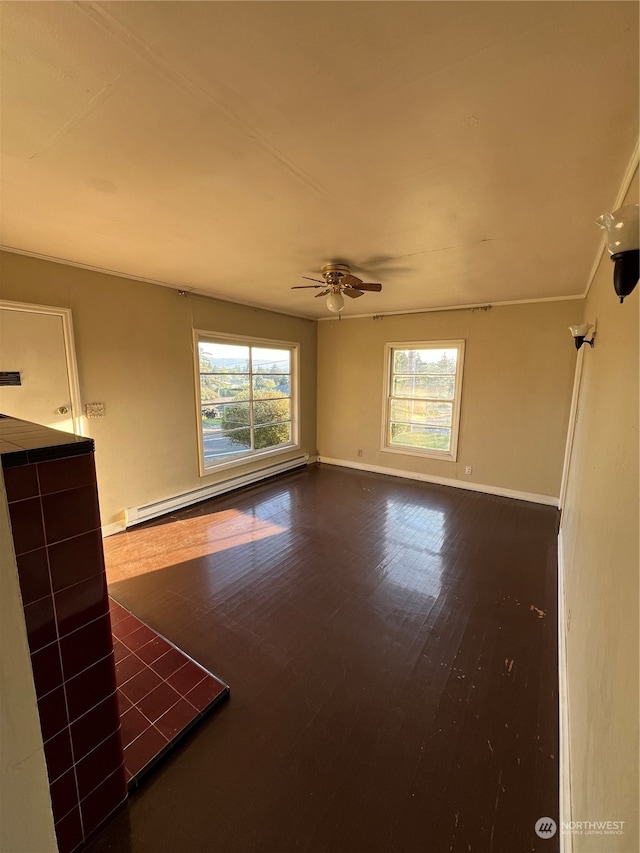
[{"x": 194, "y": 537}]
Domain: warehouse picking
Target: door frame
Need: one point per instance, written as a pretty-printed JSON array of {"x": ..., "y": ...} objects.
[
  {"x": 69, "y": 351},
  {"x": 574, "y": 411},
  {"x": 571, "y": 429}
]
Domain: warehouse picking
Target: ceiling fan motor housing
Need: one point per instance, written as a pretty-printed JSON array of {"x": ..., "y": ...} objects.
[{"x": 333, "y": 273}]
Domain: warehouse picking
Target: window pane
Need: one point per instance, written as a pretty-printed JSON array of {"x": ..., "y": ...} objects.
[
  {"x": 234, "y": 415},
  {"x": 421, "y": 412},
  {"x": 283, "y": 384},
  {"x": 442, "y": 361},
  {"x": 224, "y": 387},
  {"x": 271, "y": 385},
  {"x": 223, "y": 358},
  {"x": 218, "y": 387},
  {"x": 438, "y": 387},
  {"x": 218, "y": 443},
  {"x": 209, "y": 389},
  {"x": 425, "y": 438},
  {"x": 272, "y": 436},
  {"x": 272, "y": 411},
  {"x": 267, "y": 360},
  {"x": 211, "y": 416},
  {"x": 240, "y": 439}
]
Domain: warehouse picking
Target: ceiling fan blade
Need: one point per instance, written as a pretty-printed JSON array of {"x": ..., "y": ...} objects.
[
  {"x": 308, "y": 278},
  {"x": 351, "y": 280},
  {"x": 352, "y": 292},
  {"x": 305, "y": 286},
  {"x": 323, "y": 292},
  {"x": 369, "y": 286}
]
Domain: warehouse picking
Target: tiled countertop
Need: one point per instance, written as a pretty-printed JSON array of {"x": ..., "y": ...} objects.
[{"x": 22, "y": 443}]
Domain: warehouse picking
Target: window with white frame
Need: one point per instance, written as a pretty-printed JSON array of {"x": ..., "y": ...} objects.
[
  {"x": 246, "y": 398},
  {"x": 423, "y": 390}
]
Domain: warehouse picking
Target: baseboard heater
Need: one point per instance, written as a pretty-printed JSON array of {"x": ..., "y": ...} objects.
[{"x": 138, "y": 514}]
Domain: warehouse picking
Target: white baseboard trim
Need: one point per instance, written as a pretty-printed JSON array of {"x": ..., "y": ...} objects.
[
  {"x": 114, "y": 527},
  {"x": 566, "y": 839},
  {"x": 145, "y": 512},
  {"x": 548, "y": 500}
]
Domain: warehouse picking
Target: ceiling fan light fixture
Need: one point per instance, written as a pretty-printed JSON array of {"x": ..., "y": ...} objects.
[
  {"x": 335, "y": 302},
  {"x": 338, "y": 283}
]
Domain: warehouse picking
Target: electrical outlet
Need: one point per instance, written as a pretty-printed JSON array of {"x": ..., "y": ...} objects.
[
  {"x": 359, "y": 452},
  {"x": 468, "y": 469}
]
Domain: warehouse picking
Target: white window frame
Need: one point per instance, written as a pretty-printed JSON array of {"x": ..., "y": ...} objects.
[
  {"x": 244, "y": 457},
  {"x": 450, "y": 455}
]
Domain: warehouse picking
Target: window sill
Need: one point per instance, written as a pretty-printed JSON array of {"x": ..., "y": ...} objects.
[
  {"x": 421, "y": 454},
  {"x": 266, "y": 455}
]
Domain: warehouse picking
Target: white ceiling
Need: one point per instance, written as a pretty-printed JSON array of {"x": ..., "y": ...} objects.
[{"x": 457, "y": 152}]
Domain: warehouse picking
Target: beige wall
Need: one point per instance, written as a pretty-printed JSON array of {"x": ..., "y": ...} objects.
[
  {"x": 517, "y": 382},
  {"x": 600, "y": 558},
  {"x": 134, "y": 348},
  {"x": 26, "y": 824}
]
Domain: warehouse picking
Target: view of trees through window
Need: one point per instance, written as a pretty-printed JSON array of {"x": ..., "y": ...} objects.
[
  {"x": 422, "y": 398},
  {"x": 245, "y": 399}
]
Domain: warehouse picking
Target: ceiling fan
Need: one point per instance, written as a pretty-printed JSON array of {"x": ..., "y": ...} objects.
[{"x": 338, "y": 281}]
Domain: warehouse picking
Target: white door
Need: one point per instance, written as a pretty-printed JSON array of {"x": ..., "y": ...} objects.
[{"x": 36, "y": 343}]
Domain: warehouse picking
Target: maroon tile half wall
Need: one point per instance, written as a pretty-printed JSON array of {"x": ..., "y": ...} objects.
[
  {"x": 53, "y": 507},
  {"x": 90, "y": 708}
]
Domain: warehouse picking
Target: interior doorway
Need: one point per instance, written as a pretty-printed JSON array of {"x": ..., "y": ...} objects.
[{"x": 38, "y": 371}]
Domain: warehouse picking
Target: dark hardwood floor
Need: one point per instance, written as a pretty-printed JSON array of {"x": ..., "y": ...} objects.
[{"x": 391, "y": 651}]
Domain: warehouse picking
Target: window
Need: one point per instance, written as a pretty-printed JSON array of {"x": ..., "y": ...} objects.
[
  {"x": 246, "y": 398},
  {"x": 423, "y": 390}
]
